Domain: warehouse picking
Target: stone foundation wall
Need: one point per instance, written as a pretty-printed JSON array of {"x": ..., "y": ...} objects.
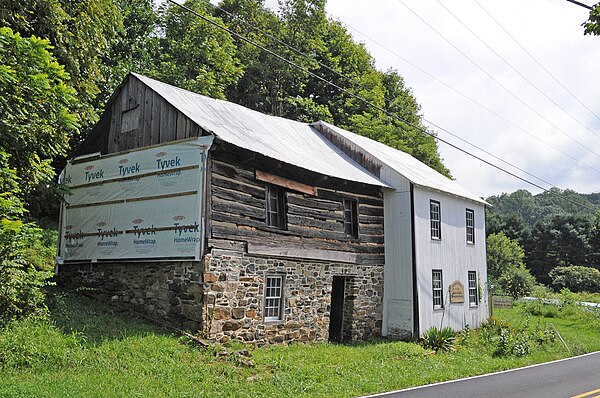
[
  {"x": 223, "y": 296},
  {"x": 234, "y": 289},
  {"x": 168, "y": 291}
]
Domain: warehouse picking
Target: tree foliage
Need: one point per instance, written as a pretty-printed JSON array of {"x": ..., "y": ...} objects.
[
  {"x": 195, "y": 55},
  {"x": 79, "y": 32},
  {"x": 592, "y": 25},
  {"x": 576, "y": 279},
  {"x": 36, "y": 121},
  {"x": 555, "y": 228},
  {"x": 506, "y": 269},
  {"x": 25, "y": 262}
]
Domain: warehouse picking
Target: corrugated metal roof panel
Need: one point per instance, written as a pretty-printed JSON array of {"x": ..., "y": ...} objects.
[
  {"x": 414, "y": 170},
  {"x": 291, "y": 142}
]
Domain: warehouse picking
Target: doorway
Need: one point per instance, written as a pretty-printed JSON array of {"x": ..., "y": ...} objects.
[{"x": 336, "y": 314}]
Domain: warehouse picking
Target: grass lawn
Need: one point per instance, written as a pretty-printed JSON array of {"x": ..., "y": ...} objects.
[{"x": 92, "y": 350}]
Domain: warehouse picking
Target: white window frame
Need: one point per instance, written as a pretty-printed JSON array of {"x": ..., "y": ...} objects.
[
  {"x": 473, "y": 290},
  {"x": 437, "y": 289},
  {"x": 435, "y": 216},
  {"x": 470, "y": 226},
  {"x": 273, "y": 298}
]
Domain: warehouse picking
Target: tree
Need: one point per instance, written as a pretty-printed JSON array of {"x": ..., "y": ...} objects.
[
  {"x": 36, "y": 105},
  {"x": 506, "y": 270},
  {"x": 194, "y": 54},
  {"x": 502, "y": 253},
  {"x": 272, "y": 86},
  {"x": 562, "y": 240},
  {"x": 25, "y": 263},
  {"x": 134, "y": 49},
  {"x": 592, "y": 25},
  {"x": 79, "y": 32},
  {"x": 576, "y": 279}
]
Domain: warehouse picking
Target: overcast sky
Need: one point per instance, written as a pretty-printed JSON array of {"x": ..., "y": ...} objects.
[{"x": 543, "y": 130}]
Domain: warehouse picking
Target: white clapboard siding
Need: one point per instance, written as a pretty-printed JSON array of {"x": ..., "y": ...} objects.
[{"x": 452, "y": 255}]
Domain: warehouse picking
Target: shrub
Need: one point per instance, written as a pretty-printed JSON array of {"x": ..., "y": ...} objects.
[
  {"x": 439, "y": 339},
  {"x": 517, "y": 281},
  {"x": 25, "y": 261},
  {"x": 576, "y": 278}
]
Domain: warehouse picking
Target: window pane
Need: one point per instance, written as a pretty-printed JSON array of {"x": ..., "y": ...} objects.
[
  {"x": 351, "y": 218},
  {"x": 275, "y": 203},
  {"x": 470, "y": 226},
  {"x": 473, "y": 291},
  {"x": 273, "y": 297},
  {"x": 434, "y": 214},
  {"x": 437, "y": 291}
]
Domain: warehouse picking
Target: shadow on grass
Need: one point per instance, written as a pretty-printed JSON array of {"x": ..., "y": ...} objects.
[{"x": 96, "y": 319}]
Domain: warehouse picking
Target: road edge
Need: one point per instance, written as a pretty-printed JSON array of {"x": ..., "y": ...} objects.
[{"x": 383, "y": 394}]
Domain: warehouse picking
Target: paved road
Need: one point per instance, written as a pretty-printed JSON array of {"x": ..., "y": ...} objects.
[{"x": 577, "y": 377}]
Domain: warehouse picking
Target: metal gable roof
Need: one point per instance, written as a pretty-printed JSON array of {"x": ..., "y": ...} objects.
[
  {"x": 292, "y": 142},
  {"x": 414, "y": 170}
]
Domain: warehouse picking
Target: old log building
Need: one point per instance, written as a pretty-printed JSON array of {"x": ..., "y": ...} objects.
[{"x": 287, "y": 236}]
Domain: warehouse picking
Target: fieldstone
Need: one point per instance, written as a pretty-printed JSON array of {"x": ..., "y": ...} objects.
[
  {"x": 231, "y": 325},
  {"x": 209, "y": 277},
  {"x": 293, "y": 325},
  {"x": 238, "y": 313},
  {"x": 218, "y": 287},
  {"x": 220, "y": 313},
  {"x": 210, "y": 299}
]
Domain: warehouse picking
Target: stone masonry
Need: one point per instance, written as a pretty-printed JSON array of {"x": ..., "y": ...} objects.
[
  {"x": 167, "y": 291},
  {"x": 222, "y": 297},
  {"x": 233, "y": 286}
]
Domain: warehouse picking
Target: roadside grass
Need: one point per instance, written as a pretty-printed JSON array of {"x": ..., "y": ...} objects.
[{"x": 90, "y": 349}]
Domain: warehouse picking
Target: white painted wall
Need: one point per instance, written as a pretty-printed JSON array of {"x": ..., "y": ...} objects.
[
  {"x": 452, "y": 255},
  {"x": 398, "y": 273}
]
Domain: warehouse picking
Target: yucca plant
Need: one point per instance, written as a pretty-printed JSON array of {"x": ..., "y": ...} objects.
[{"x": 439, "y": 339}]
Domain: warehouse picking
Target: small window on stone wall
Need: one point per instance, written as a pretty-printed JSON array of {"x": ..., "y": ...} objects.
[{"x": 273, "y": 298}]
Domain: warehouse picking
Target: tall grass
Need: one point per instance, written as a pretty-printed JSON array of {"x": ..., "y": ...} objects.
[{"x": 89, "y": 349}]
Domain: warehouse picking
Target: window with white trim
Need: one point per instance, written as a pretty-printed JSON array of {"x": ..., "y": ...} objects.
[
  {"x": 273, "y": 297},
  {"x": 470, "y": 226},
  {"x": 275, "y": 196},
  {"x": 435, "y": 217},
  {"x": 351, "y": 218},
  {"x": 437, "y": 290},
  {"x": 473, "y": 291}
]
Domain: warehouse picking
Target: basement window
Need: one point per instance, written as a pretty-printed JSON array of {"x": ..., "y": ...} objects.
[
  {"x": 273, "y": 297},
  {"x": 351, "y": 218},
  {"x": 437, "y": 290},
  {"x": 276, "y": 216},
  {"x": 435, "y": 217},
  {"x": 470, "y": 224}
]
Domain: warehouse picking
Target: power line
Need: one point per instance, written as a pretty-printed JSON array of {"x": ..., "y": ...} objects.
[
  {"x": 350, "y": 80},
  {"x": 586, "y": 147},
  {"x": 469, "y": 98},
  {"x": 581, "y": 4},
  {"x": 535, "y": 60},
  {"x": 515, "y": 69},
  {"x": 393, "y": 115}
]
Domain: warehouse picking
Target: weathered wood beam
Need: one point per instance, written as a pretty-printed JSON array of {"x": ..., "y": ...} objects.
[{"x": 285, "y": 182}]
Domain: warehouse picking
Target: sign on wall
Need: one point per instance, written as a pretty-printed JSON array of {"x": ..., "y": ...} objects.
[
  {"x": 146, "y": 203},
  {"x": 457, "y": 292}
]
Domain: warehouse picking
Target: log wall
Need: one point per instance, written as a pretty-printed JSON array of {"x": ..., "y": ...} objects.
[{"x": 315, "y": 224}]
